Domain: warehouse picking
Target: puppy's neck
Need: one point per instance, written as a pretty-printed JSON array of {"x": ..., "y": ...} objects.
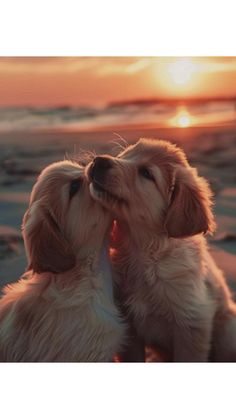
[
  {"x": 94, "y": 262},
  {"x": 141, "y": 240},
  {"x": 94, "y": 255}
]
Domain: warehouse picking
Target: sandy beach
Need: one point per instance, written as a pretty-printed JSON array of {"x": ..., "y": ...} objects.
[{"x": 24, "y": 154}]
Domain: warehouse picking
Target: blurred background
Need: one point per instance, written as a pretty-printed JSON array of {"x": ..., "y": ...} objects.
[{"x": 51, "y": 107}]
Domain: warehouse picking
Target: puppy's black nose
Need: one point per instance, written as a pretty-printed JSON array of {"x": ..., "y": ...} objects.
[
  {"x": 100, "y": 167},
  {"x": 102, "y": 163}
]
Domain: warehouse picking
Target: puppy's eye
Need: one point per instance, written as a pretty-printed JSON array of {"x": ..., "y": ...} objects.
[
  {"x": 144, "y": 172},
  {"x": 74, "y": 187}
]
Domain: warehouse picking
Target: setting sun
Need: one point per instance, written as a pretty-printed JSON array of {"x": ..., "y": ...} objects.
[{"x": 181, "y": 70}]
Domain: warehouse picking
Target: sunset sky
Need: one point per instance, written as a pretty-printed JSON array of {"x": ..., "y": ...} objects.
[{"x": 58, "y": 81}]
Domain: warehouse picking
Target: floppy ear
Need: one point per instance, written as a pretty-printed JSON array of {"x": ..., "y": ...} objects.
[
  {"x": 190, "y": 210},
  {"x": 47, "y": 248}
]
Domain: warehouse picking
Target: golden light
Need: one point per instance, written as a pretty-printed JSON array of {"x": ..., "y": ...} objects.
[
  {"x": 183, "y": 119},
  {"x": 182, "y": 70}
]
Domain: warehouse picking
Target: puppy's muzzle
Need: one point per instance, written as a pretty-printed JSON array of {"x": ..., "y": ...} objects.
[{"x": 100, "y": 169}]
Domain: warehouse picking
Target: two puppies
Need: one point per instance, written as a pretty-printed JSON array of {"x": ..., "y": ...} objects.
[
  {"x": 173, "y": 294},
  {"x": 64, "y": 311}
]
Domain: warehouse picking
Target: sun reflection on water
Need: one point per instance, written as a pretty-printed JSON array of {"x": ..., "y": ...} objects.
[{"x": 182, "y": 119}]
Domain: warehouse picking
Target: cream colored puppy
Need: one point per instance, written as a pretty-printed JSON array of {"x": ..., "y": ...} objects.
[
  {"x": 65, "y": 310},
  {"x": 175, "y": 296}
]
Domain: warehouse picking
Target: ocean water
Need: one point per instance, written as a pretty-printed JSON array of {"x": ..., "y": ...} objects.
[{"x": 159, "y": 114}]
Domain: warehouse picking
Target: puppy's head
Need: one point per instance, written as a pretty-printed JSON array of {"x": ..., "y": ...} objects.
[
  {"x": 61, "y": 218},
  {"x": 152, "y": 184}
]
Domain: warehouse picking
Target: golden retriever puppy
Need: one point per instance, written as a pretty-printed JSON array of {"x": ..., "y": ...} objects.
[
  {"x": 65, "y": 310},
  {"x": 173, "y": 292}
]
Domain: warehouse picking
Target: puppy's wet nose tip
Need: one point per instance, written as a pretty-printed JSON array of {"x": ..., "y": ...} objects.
[
  {"x": 100, "y": 168},
  {"x": 103, "y": 163}
]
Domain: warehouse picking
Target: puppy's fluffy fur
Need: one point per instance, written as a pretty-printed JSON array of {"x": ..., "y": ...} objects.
[
  {"x": 173, "y": 292},
  {"x": 64, "y": 311}
]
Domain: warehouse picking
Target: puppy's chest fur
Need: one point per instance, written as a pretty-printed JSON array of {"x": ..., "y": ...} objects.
[{"x": 161, "y": 291}]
